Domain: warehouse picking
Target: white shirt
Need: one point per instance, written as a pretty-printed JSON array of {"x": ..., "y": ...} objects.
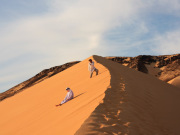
[
  {"x": 69, "y": 96},
  {"x": 91, "y": 66}
]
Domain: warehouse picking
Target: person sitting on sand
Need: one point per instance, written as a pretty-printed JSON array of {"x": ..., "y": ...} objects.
[
  {"x": 69, "y": 96},
  {"x": 92, "y": 68}
]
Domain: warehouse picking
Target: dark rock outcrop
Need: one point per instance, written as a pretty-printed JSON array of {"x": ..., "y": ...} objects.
[
  {"x": 170, "y": 71},
  {"x": 47, "y": 73},
  {"x": 168, "y": 65}
]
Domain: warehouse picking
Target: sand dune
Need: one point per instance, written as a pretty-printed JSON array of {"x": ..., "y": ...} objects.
[
  {"x": 33, "y": 112},
  {"x": 175, "y": 81},
  {"x": 136, "y": 104},
  {"x": 119, "y": 100}
]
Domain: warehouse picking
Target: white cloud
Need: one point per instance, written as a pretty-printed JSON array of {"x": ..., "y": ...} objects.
[
  {"x": 162, "y": 7},
  {"x": 75, "y": 29},
  {"x": 171, "y": 6},
  {"x": 69, "y": 31},
  {"x": 77, "y": 25},
  {"x": 168, "y": 43}
]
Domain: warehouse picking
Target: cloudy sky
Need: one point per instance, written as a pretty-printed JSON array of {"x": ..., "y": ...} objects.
[{"x": 39, "y": 34}]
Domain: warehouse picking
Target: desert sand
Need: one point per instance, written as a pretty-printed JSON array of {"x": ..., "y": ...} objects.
[
  {"x": 175, "y": 81},
  {"x": 135, "y": 104},
  {"x": 119, "y": 100},
  {"x": 33, "y": 111}
]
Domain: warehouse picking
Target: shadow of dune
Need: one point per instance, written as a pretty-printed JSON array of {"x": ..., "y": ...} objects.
[
  {"x": 106, "y": 118},
  {"x": 134, "y": 104}
]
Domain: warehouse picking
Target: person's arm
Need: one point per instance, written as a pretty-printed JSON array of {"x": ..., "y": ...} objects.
[
  {"x": 89, "y": 67},
  {"x": 92, "y": 64},
  {"x": 70, "y": 95}
]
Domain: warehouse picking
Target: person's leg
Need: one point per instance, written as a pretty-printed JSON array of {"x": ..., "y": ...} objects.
[
  {"x": 91, "y": 74},
  {"x": 97, "y": 71}
]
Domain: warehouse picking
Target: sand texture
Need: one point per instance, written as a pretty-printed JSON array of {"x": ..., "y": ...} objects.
[
  {"x": 33, "y": 112},
  {"x": 119, "y": 101},
  {"x": 134, "y": 104},
  {"x": 45, "y": 74}
]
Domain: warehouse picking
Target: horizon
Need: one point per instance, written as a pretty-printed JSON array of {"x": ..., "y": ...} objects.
[
  {"x": 37, "y": 35},
  {"x": 80, "y": 61}
]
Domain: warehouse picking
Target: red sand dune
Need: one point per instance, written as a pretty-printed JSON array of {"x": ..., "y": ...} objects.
[{"x": 117, "y": 101}]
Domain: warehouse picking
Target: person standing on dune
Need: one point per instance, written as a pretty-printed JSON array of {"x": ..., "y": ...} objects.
[
  {"x": 92, "y": 68},
  {"x": 69, "y": 96}
]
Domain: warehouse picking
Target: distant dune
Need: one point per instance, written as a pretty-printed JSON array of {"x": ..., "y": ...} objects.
[{"x": 119, "y": 101}]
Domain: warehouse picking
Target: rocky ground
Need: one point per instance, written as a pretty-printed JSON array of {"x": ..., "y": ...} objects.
[{"x": 165, "y": 67}]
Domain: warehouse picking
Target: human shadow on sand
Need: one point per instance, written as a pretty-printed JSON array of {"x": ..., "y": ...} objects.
[{"x": 78, "y": 95}]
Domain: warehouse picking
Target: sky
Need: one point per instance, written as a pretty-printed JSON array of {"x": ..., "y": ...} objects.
[{"x": 39, "y": 34}]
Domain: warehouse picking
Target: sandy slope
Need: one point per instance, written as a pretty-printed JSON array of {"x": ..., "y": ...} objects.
[
  {"x": 33, "y": 111},
  {"x": 175, "y": 81},
  {"x": 136, "y": 104}
]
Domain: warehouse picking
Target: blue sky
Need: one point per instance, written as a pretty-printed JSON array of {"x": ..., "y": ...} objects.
[{"x": 39, "y": 34}]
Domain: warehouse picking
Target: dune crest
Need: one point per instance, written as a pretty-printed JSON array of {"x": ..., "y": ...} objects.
[
  {"x": 135, "y": 104},
  {"x": 119, "y": 101},
  {"x": 33, "y": 111}
]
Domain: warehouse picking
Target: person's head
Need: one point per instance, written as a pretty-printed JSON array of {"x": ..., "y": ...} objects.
[
  {"x": 68, "y": 89},
  {"x": 90, "y": 60}
]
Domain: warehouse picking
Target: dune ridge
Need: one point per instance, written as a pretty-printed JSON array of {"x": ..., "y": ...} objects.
[
  {"x": 164, "y": 67},
  {"x": 135, "y": 104},
  {"x": 33, "y": 111},
  {"x": 119, "y": 100}
]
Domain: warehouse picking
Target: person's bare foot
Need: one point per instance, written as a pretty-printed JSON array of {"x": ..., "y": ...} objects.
[{"x": 58, "y": 105}]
